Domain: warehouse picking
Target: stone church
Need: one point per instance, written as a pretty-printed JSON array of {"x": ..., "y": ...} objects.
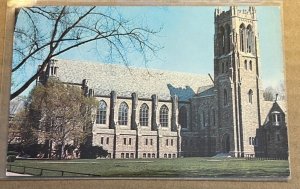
[{"x": 147, "y": 113}]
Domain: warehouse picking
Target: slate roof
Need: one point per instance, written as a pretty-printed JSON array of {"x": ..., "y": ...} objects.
[
  {"x": 266, "y": 106},
  {"x": 206, "y": 91},
  {"x": 16, "y": 105},
  {"x": 104, "y": 78},
  {"x": 283, "y": 106}
]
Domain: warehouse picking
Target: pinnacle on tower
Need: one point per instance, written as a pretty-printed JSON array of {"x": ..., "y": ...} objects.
[
  {"x": 252, "y": 9},
  {"x": 233, "y": 10},
  {"x": 217, "y": 11}
]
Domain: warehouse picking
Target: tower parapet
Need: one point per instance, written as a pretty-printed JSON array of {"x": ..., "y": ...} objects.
[
  {"x": 248, "y": 14},
  {"x": 222, "y": 15},
  {"x": 50, "y": 71}
]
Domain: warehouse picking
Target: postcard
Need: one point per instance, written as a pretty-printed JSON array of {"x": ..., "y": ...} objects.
[{"x": 183, "y": 92}]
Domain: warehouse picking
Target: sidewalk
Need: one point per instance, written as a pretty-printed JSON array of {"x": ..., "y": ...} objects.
[{"x": 10, "y": 174}]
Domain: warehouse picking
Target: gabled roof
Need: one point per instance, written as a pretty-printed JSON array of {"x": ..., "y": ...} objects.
[
  {"x": 283, "y": 106},
  {"x": 265, "y": 107},
  {"x": 268, "y": 107},
  {"x": 104, "y": 78},
  {"x": 207, "y": 90}
]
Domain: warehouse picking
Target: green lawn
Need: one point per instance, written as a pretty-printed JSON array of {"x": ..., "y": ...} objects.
[{"x": 181, "y": 167}]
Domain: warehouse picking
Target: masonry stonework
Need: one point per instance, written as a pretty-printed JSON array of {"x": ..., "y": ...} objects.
[{"x": 155, "y": 114}]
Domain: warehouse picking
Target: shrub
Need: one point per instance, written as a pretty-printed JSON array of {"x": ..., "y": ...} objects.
[
  {"x": 69, "y": 148},
  {"x": 11, "y": 158},
  {"x": 33, "y": 150},
  {"x": 12, "y": 153},
  {"x": 30, "y": 150},
  {"x": 92, "y": 152}
]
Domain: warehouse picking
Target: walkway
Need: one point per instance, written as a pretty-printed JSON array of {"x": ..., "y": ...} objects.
[{"x": 10, "y": 174}]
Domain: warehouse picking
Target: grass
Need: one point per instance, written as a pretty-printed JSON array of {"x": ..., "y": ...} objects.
[{"x": 181, "y": 167}]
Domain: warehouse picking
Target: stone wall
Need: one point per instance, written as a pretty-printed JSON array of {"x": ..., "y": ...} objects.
[
  {"x": 271, "y": 137},
  {"x": 128, "y": 141},
  {"x": 200, "y": 139}
]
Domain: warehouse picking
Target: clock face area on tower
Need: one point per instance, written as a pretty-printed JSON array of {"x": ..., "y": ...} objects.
[{"x": 152, "y": 91}]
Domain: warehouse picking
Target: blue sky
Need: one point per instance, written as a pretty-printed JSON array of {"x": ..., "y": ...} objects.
[{"x": 187, "y": 37}]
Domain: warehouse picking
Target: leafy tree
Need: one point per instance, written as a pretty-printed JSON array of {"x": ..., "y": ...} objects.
[
  {"x": 61, "y": 114},
  {"x": 42, "y": 33},
  {"x": 14, "y": 129},
  {"x": 21, "y": 131}
]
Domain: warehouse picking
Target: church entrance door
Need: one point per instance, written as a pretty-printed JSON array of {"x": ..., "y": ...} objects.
[{"x": 226, "y": 143}]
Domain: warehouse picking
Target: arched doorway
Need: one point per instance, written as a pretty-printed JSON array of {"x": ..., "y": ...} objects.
[{"x": 226, "y": 143}]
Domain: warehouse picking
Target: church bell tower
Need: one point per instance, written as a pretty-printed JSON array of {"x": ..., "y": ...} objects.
[{"x": 237, "y": 80}]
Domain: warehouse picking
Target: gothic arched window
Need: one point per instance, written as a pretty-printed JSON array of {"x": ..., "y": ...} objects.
[
  {"x": 199, "y": 117},
  {"x": 250, "y": 94},
  {"x": 242, "y": 37},
  {"x": 222, "y": 40},
  {"x": 245, "y": 65},
  {"x": 203, "y": 119},
  {"x": 123, "y": 114},
  {"x": 250, "y": 65},
  {"x": 225, "y": 97},
  {"x": 213, "y": 112},
  {"x": 208, "y": 118},
  {"x": 182, "y": 118},
  {"x": 101, "y": 113},
  {"x": 164, "y": 116},
  {"x": 228, "y": 42},
  {"x": 144, "y": 115},
  {"x": 226, "y": 66},
  {"x": 249, "y": 39},
  {"x": 223, "y": 67}
]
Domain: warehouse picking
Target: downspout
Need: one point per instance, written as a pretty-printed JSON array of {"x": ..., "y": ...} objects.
[{"x": 257, "y": 85}]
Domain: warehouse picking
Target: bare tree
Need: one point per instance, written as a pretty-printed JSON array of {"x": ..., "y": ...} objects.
[
  {"x": 62, "y": 114},
  {"x": 281, "y": 90},
  {"x": 270, "y": 92},
  {"x": 42, "y": 33}
]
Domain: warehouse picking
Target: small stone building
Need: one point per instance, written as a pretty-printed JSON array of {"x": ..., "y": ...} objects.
[
  {"x": 271, "y": 138},
  {"x": 147, "y": 113}
]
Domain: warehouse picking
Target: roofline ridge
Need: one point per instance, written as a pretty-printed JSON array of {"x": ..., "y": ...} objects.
[{"x": 155, "y": 70}]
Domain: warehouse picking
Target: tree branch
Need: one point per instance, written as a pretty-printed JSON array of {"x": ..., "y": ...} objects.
[
  {"x": 31, "y": 79},
  {"x": 70, "y": 30}
]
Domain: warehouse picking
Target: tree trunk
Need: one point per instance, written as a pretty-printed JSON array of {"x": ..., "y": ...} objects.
[
  {"x": 50, "y": 150},
  {"x": 62, "y": 156}
]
